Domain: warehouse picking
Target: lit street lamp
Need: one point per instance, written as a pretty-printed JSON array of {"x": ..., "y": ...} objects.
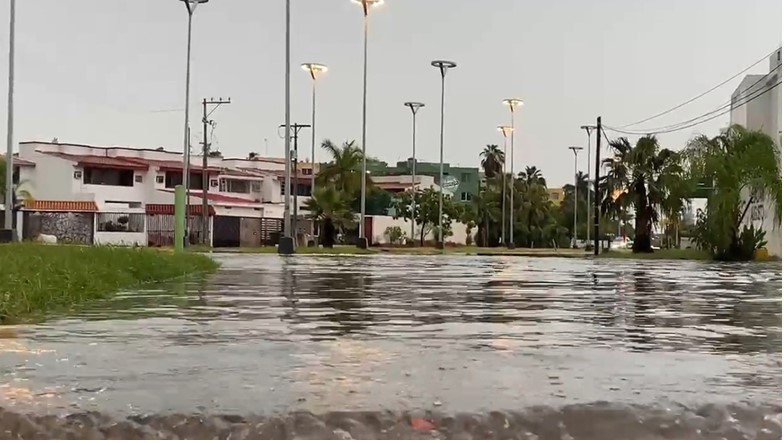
[
  {"x": 507, "y": 131},
  {"x": 588, "y": 129},
  {"x": 513, "y": 104},
  {"x": 443, "y": 66},
  {"x": 575, "y": 149},
  {"x": 366, "y": 5},
  {"x": 414, "y": 106},
  {"x": 9, "y": 157},
  {"x": 191, "y": 6}
]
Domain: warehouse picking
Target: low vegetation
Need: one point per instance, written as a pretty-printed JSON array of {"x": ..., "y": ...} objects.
[{"x": 42, "y": 278}]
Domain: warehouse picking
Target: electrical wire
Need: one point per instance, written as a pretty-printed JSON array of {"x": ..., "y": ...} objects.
[
  {"x": 704, "y": 118},
  {"x": 703, "y": 94}
]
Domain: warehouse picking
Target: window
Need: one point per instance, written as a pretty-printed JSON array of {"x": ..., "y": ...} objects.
[
  {"x": 234, "y": 186},
  {"x": 78, "y": 175},
  {"x": 119, "y": 222},
  {"x": 213, "y": 183},
  {"x": 282, "y": 188},
  {"x": 255, "y": 186},
  {"x": 465, "y": 177},
  {"x": 465, "y": 196},
  {"x": 307, "y": 171},
  {"x": 303, "y": 190},
  {"x": 174, "y": 178},
  {"x": 108, "y": 177},
  {"x": 159, "y": 179},
  {"x": 139, "y": 179}
]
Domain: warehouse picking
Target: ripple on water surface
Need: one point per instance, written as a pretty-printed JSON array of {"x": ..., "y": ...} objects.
[{"x": 267, "y": 335}]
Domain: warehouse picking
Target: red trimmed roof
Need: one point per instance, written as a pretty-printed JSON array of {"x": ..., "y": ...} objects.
[
  {"x": 168, "y": 209},
  {"x": 171, "y": 165},
  {"x": 20, "y": 161},
  {"x": 101, "y": 161},
  {"x": 60, "y": 206}
]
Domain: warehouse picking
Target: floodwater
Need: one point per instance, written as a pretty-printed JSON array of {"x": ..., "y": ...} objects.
[{"x": 410, "y": 347}]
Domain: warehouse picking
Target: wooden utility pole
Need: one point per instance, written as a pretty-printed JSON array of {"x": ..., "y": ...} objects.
[{"x": 205, "y": 152}]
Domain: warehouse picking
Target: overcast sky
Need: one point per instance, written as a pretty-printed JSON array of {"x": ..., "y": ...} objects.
[{"x": 111, "y": 72}]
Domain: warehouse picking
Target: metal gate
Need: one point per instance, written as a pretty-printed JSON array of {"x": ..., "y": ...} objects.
[{"x": 160, "y": 229}]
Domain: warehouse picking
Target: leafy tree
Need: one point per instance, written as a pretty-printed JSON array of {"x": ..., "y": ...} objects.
[
  {"x": 425, "y": 211},
  {"x": 743, "y": 167},
  {"x": 20, "y": 193},
  {"x": 644, "y": 175}
]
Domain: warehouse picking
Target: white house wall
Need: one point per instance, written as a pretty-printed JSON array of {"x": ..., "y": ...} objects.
[{"x": 382, "y": 222}]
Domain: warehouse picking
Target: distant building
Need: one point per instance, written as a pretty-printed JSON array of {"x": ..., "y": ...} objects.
[
  {"x": 756, "y": 105},
  {"x": 462, "y": 182},
  {"x": 556, "y": 195}
]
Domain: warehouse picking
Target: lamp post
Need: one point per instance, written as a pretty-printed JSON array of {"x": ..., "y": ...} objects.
[
  {"x": 575, "y": 149},
  {"x": 414, "y": 106},
  {"x": 366, "y": 5},
  {"x": 191, "y": 6},
  {"x": 588, "y": 129},
  {"x": 443, "y": 66},
  {"x": 513, "y": 104},
  {"x": 506, "y": 131},
  {"x": 286, "y": 243},
  {"x": 9, "y": 157},
  {"x": 314, "y": 69}
]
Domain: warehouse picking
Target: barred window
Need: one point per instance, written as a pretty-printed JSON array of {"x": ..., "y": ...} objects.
[{"x": 120, "y": 222}]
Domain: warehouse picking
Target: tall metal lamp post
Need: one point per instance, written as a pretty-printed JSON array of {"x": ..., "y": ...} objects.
[
  {"x": 443, "y": 66},
  {"x": 286, "y": 242},
  {"x": 512, "y": 103},
  {"x": 9, "y": 157},
  {"x": 588, "y": 129},
  {"x": 575, "y": 149},
  {"x": 366, "y": 5},
  {"x": 191, "y": 6},
  {"x": 506, "y": 131},
  {"x": 315, "y": 69},
  {"x": 414, "y": 106}
]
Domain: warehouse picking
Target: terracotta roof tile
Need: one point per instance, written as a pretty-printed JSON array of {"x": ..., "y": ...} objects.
[
  {"x": 20, "y": 161},
  {"x": 168, "y": 209},
  {"x": 60, "y": 206}
]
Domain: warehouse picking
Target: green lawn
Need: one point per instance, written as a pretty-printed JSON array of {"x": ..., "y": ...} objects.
[{"x": 41, "y": 278}]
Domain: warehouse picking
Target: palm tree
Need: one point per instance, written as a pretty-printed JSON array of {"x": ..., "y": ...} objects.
[
  {"x": 344, "y": 171},
  {"x": 329, "y": 202},
  {"x": 487, "y": 210},
  {"x": 647, "y": 175},
  {"x": 743, "y": 167},
  {"x": 493, "y": 160}
]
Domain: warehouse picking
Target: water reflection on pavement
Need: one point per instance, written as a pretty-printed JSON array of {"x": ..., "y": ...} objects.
[{"x": 267, "y": 335}]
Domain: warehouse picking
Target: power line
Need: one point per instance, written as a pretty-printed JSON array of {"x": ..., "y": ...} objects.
[
  {"x": 727, "y": 104},
  {"x": 703, "y": 94},
  {"x": 705, "y": 117}
]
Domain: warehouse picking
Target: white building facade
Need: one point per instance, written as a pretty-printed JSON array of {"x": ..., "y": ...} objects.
[{"x": 756, "y": 105}]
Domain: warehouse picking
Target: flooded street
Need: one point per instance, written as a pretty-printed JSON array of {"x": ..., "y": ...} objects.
[{"x": 423, "y": 346}]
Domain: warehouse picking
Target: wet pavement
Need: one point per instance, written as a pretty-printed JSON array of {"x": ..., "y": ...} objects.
[{"x": 411, "y": 346}]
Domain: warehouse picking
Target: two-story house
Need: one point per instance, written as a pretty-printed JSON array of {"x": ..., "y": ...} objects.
[{"x": 93, "y": 194}]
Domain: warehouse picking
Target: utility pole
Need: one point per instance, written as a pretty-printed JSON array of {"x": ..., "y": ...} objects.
[
  {"x": 293, "y": 158},
  {"x": 205, "y": 185},
  {"x": 597, "y": 240}
]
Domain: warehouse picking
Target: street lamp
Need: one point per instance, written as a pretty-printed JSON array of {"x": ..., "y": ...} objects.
[
  {"x": 443, "y": 66},
  {"x": 507, "y": 131},
  {"x": 588, "y": 129},
  {"x": 9, "y": 157},
  {"x": 513, "y": 104},
  {"x": 414, "y": 106},
  {"x": 366, "y": 5},
  {"x": 191, "y": 6},
  {"x": 286, "y": 243},
  {"x": 575, "y": 149},
  {"x": 315, "y": 70}
]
